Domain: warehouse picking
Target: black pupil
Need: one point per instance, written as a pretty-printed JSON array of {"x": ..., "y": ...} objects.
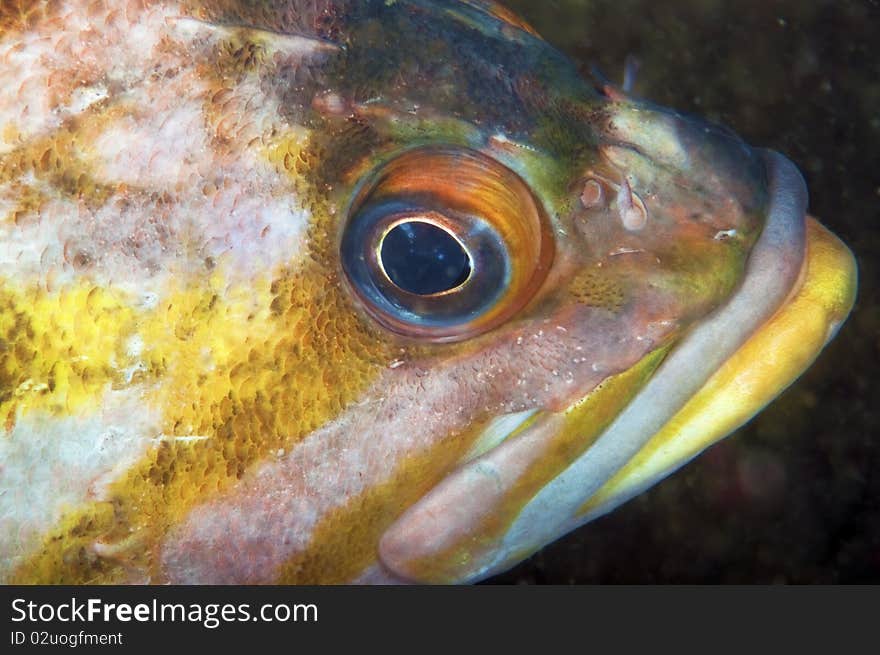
[{"x": 424, "y": 259}]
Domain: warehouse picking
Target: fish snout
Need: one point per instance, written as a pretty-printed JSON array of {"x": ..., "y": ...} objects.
[{"x": 662, "y": 170}]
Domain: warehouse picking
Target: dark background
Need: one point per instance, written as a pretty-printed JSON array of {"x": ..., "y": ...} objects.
[{"x": 794, "y": 496}]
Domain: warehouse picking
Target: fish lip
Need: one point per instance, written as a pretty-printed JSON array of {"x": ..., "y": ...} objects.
[{"x": 772, "y": 272}]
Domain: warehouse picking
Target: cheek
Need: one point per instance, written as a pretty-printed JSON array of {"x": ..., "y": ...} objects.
[{"x": 316, "y": 514}]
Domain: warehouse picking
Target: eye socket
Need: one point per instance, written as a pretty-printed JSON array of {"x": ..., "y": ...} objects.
[{"x": 445, "y": 243}]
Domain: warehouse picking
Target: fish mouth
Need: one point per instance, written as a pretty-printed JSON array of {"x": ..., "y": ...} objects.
[{"x": 539, "y": 475}]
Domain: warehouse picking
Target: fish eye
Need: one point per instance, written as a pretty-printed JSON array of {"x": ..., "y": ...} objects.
[{"x": 443, "y": 244}]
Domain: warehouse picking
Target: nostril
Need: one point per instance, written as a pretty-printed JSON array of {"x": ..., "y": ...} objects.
[
  {"x": 592, "y": 194},
  {"x": 631, "y": 210},
  {"x": 633, "y": 213}
]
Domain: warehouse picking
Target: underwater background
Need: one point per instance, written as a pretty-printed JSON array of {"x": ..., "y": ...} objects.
[{"x": 794, "y": 496}]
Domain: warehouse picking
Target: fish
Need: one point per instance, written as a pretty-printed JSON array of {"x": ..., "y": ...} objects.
[{"x": 374, "y": 292}]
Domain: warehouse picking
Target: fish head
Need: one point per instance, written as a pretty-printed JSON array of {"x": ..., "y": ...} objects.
[{"x": 372, "y": 292}]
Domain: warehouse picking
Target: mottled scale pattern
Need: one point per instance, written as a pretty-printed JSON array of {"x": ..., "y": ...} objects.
[{"x": 154, "y": 224}]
